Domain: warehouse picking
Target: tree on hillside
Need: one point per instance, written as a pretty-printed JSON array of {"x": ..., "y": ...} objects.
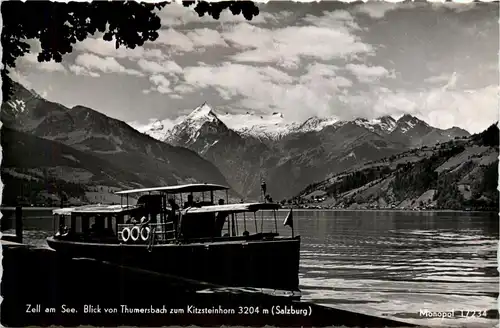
[
  {"x": 488, "y": 137},
  {"x": 59, "y": 25}
]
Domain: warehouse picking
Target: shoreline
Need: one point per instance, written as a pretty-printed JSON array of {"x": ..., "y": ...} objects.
[
  {"x": 285, "y": 208},
  {"x": 386, "y": 210}
]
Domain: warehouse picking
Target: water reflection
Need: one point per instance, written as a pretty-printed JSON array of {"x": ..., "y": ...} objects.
[{"x": 387, "y": 263}]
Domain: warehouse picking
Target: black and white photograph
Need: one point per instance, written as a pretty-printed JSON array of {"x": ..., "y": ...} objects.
[{"x": 239, "y": 163}]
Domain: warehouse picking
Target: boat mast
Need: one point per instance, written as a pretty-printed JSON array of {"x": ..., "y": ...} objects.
[{"x": 275, "y": 221}]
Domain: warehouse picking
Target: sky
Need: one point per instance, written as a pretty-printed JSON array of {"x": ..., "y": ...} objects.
[{"x": 436, "y": 61}]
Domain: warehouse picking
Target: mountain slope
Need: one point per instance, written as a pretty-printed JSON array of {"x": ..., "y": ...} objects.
[
  {"x": 458, "y": 174},
  {"x": 203, "y": 132},
  {"x": 416, "y": 133},
  {"x": 33, "y": 168},
  {"x": 290, "y": 156},
  {"x": 109, "y": 139}
]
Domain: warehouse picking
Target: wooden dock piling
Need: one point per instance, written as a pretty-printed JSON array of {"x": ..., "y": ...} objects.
[
  {"x": 19, "y": 224},
  {"x": 16, "y": 238}
]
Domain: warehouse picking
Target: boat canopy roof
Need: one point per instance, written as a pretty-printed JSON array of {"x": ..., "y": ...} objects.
[
  {"x": 187, "y": 188},
  {"x": 232, "y": 208},
  {"x": 96, "y": 209}
]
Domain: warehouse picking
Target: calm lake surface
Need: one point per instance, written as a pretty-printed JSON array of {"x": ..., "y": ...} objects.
[{"x": 386, "y": 263}]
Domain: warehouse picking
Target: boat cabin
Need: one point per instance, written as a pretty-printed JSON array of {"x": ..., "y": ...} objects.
[
  {"x": 222, "y": 221},
  {"x": 93, "y": 222},
  {"x": 158, "y": 218}
]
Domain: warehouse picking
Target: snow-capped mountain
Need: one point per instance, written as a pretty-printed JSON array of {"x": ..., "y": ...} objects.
[
  {"x": 291, "y": 154},
  {"x": 274, "y": 127},
  {"x": 271, "y": 127},
  {"x": 156, "y": 129},
  {"x": 407, "y": 123},
  {"x": 200, "y": 130},
  {"x": 315, "y": 124},
  {"x": 416, "y": 132},
  {"x": 384, "y": 124},
  {"x": 81, "y": 142}
]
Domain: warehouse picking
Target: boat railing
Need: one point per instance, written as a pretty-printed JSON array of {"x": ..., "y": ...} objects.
[{"x": 139, "y": 233}]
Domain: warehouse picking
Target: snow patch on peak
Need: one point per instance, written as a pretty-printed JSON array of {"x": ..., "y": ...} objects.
[
  {"x": 388, "y": 123},
  {"x": 385, "y": 124},
  {"x": 408, "y": 122},
  {"x": 199, "y": 116},
  {"x": 18, "y": 105},
  {"x": 157, "y": 125},
  {"x": 190, "y": 127},
  {"x": 157, "y": 129},
  {"x": 202, "y": 112},
  {"x": 317, "y": 124}
]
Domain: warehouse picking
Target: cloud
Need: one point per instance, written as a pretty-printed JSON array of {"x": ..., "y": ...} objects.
[
  {"x": 338, "y": 19},
  {"x": 176, "y": 14},
  {"x": 159, "y": 71},
  {"x": 438, "y": 78},
  {"x": 305, "y": 63},
  {"x": 194, "y": 40},
  {"x": 322, "y": 91},
  {"x": 443, "y": 107},
  {"x": 184, "y": 88},
  {"x": 452, "y": 82},
  {"x": 457, "y": 6},
  {"x": 51, "y": 66},
  {"x": 266, "y": 88},
  {"x": 104, "y": 48},
  {"x": 286, "y": 46},
  {"x": 205, "y": 37},
  {"x": 161, "y": 83},
  {"x": 166, "y": 67},
  {"x": 92, "y": 62},
  {"x": 175, "y": 39},
  {"x": 82, "y": 71},
  {"x": 18, "y": 77},
  {"x": 377, "y": 9},
  {"x": 325, "y": 78},
  {"x": 368, "y": 74}
]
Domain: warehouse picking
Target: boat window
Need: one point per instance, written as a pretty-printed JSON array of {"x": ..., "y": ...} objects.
[
  {"x": 85, "y": 223},
  {"x": 110, "y": 223},
  {"x": 77, "y": 220}
]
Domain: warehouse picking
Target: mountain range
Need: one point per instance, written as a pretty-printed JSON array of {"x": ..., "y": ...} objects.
[
  {"x": 459, "y": 174},
  {"x": 45, "y": 143},
  {"x": 290, "y": 156},
  {"x": 92, "y": 154}
]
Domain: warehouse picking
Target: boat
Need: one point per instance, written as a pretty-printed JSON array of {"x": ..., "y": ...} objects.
[{"x": 223, "y": 244}]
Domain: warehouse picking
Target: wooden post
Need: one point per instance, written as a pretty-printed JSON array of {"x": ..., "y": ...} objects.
[{"x": 19, "y": 224}]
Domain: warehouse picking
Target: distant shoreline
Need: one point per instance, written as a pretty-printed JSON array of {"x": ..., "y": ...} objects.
[
  {"x": 29, "y": 208},
  {"x": 386, "y": 210}
]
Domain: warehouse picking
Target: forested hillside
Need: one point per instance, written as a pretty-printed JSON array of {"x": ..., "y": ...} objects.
[{"x": 459, "y": 174}]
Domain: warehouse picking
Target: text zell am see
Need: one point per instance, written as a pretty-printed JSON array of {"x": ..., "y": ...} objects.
[{"x": 190, "y": 309}]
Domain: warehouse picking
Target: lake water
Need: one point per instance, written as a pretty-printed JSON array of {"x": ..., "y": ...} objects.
[{"x": 386, "y": 263}]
